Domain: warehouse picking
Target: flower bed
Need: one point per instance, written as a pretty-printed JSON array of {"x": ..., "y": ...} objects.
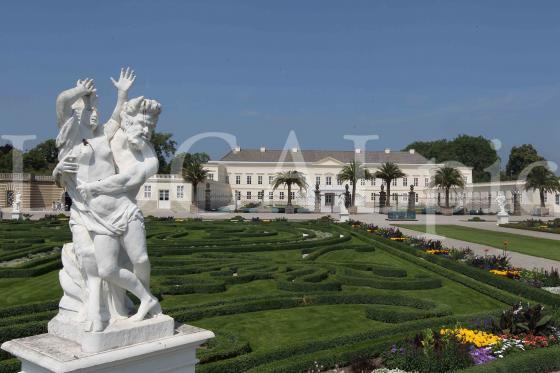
[
  {"x": 519, "y": 329},
  {"x": 498, "y": 265}
]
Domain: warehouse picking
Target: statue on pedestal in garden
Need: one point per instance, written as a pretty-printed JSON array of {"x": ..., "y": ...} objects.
[
  {"x": 16, "y": 204},
  {"x": 108, "y": 254}
]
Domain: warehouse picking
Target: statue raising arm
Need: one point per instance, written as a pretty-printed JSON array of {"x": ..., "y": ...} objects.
[
  {"x": 66, "y": 99},
  {"x": 123, "y": 85}
]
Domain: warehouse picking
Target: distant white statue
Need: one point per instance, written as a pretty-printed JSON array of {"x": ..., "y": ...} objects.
[
  {"x": 108, "y": 255},
  {"x": 501, "y": 201},
  {"x": 16, "y": 204}
]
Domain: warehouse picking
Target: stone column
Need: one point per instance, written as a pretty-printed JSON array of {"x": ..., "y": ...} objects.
[
  {"x": 207, "y": 200},
  {"x": 382, "y": 200},
  {"x": 411, "y": 199},
  {"x": 516, "y": 202},
  {"x": 317, "y": 199}
]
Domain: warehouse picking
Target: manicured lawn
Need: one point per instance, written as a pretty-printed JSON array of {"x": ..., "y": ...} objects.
[
  {"x": 541, "y": 247},
  {"x": 265, "y": 284}
]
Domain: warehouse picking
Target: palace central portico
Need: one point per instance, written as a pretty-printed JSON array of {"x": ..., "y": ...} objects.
[{"x": 250, "y": 173}]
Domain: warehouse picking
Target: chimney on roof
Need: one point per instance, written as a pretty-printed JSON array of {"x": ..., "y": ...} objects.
[
  {"x": 237, "y": 149},
  {"x": 358, "y": 150},
  {"x": 387, "y": 150},
  {"x": 294, "y": 150},
  {"x": 412, "y": 151},
  {"x": 263, "y": 149}
]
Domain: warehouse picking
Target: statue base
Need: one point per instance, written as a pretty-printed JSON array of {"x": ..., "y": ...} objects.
[
  {"x": 17, "y": 215},
  {"x": 47, "y": 353},
  {"x": 344, "y": 217},
  {"x": 502, "y": 219},
  {"x": 119, "y": 334}
]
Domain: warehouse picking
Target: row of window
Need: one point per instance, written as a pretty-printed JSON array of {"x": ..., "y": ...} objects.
[
  {"x": 260, "y": 195},
  {"x": 329, "y": 180},
  {"x": 164, "y": 193}
]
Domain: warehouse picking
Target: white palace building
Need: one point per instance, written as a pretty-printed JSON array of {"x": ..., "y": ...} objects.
[
  {"x": 250, "y": 173},
  {"x": 243, "y": 178}
]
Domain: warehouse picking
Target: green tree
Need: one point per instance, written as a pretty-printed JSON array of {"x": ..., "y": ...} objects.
[
  {"x": 541, "y": 178},
  {"x": 289, "y": 178},
  {"x": 193, "y": 171},
  {"x": 447, "y": 178},
  {"x": 473, "y": 151},
  {"x": 351, "y": 173},
  {"x": 6, "y": 160},
  {"x": 164, "y": 147},
  {"x": 388, "y": 172},
  {"x": 520, "y": 157},
  {"x": 41, "y": 159}
]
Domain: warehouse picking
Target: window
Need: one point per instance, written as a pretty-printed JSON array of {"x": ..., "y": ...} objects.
[
  {"x": 210, "y": 176},
  {"x": 338, "y": 181},
  {"x": 362, "y": 182},
  {"x": 281, "y": 195},
  {"x": 426, "y": 181},
  {"x": 318, "y": 180},
  {"x": 227, "y": 179},
  {"x": 405, "y": 181},
  {"x": 373, "y": 196},
  {"x": 237, "y": 179},
  {"x": 415, "y": 181},
  {"x": 292, "y": 195},
  {"x": 259, "y": 179},
  {"x": 328, "y": 180},
  {"x": 180, "y": 191},
  {"x": 270, "y": 179},
  {"x": 558, "y": 199},
  {"x": 147, "y": 191},
  {"x": 164, "y": 195},
  {"x": 260, "y": 194},
  {"x": 405, "y": 197},
  {"x": 238, "y": 195},
  {"x": 416, "y": 197},
  {"x": 249, "y": 195},
  {"x": 394, "y": 182},
  {"x": 329, "y": 199},
  {"x": 395, "y": 197},
  {"x": 270, "y": 195},
  {"x": 465, "y": 179},
  {"x": 373, "y": 181},
  {"x": 545, "y": 197},
  {"x": 249, "y": 179}
]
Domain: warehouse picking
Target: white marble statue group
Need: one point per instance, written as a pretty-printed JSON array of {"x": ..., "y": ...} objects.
[{"x": 102, "y": 168}]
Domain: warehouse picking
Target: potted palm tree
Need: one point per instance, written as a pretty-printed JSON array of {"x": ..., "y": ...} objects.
[
  {"x": 193, "y": 172},
  {"x": 388, "y": 172},
  {"x": 351, "y": 173},
  {"x": 289, "y": 178},
  {"x": 541, "y": 178},
  {"x": 447, "y": 178}
]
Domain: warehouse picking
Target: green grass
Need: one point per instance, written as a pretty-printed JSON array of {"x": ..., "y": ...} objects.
[
  {"x": 541, "y": 247},
  {"x": 288, "y": 319}
]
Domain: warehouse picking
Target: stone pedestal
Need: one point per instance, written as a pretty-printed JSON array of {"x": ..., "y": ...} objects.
[
  {"x": 17, "y": 215},
  {"x": 47, "y": 353},
  {"x": 344, "y": 217},
  {"x": 120, "y": 333},
  {"x": 353, "y": 210},
  {"x": 502, "y": 219},
  {"x": 290, "y": 209}
]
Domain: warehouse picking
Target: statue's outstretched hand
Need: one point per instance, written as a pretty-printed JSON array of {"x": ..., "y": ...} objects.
[
  {"x": 86, "y": 85},
  {"x": 126, "y": 79}
]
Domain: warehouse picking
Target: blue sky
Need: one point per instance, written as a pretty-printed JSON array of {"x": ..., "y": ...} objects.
[{"x": 406, "y": 71}]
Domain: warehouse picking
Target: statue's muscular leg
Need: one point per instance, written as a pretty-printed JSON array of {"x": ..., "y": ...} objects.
[
  {"x": 134, "y": 243},
  {"x": 83, "y": 247},
  {"x": 106, "y": 252}
]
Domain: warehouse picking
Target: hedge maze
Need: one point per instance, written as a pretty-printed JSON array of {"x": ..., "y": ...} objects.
[{"x": 279, "y": 295}]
